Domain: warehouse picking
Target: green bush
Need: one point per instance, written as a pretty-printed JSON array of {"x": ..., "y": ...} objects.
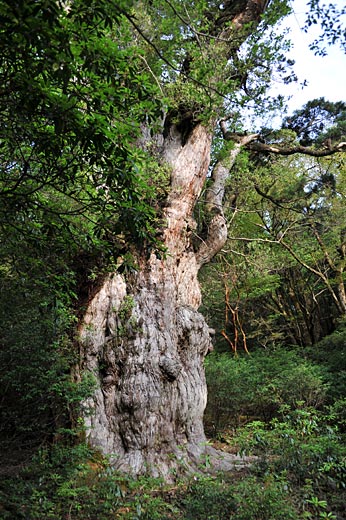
[
  {"x": 330, "y": 353},
  {"x": 208, "y": 499},
  {"x": 256, "y": 386},
  {"x": 64, "y": 482},
  {"x": 229, "y": 497},
  {"x": 76, "y": 483},
  {"x": 264, "y": 499},
  {"x": 306, "y": 446}
]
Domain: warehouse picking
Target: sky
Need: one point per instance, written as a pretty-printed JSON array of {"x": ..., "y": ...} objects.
[{"x": 326, "y": 76}]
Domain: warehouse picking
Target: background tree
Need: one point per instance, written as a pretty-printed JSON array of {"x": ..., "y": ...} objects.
[{"x": 285, "y": 252}]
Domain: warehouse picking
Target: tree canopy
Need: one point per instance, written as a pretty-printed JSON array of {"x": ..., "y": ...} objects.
[{"x": 71, "y": 108}]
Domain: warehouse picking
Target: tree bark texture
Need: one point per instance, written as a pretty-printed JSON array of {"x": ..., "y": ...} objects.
[{"x": 144, "y": 340}]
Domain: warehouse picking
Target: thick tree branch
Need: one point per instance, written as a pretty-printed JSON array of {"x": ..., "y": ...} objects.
[
  {"x": 215, "y": 194},
  {"x": 217, "y": 229},
  {"x": 216, "y": 238},
  {"x": 290, "y": 150}
]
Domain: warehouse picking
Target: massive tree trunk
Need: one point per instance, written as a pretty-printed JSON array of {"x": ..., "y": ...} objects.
[
  {"x": 145, "y": 341},
  {"x": 142, "y": 335}
]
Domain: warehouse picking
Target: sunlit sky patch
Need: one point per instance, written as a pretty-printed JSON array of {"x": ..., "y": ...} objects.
[{"x": 325, "y": 76}]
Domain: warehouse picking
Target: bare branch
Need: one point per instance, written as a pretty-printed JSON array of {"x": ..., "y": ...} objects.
[
  {"x": 247, "y": 239},
  {"x": 323, "y": 248},
  {"x": 317, "y": 272}
]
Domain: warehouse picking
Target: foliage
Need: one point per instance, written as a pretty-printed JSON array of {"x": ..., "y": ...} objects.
[
  {"x": 302, "y": 441},
  {"x": 300, "y": 446},
  {"x": 37, "y": 392},
  {"x": 179, "y": 42},
  {"x": 256, "y": 386},
  {"x": 306, "y": 446},
  {"x": 267, "y": 499},
  {"x": 68, "y": 129},
  {"x": 75, "y": 192},
  {"x": 318, "y": 120},
  {"x": 74, "y": 482},
  {"x": 331, "y": 19},
  {"x": 330, "y": 353},
  {"x": 208, "y": 498},
  {"x": 46, "y": 491},
  {"x": 225, "y": 498}
]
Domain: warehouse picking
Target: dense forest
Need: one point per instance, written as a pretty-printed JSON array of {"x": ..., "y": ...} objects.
[{"x": 172, "y": 270}]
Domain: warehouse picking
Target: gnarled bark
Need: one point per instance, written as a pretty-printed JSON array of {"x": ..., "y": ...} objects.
[{"x": 145, "y": 341}]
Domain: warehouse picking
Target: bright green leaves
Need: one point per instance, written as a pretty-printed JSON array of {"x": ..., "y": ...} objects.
[
  {"x": 74, "y": 189},
  {"x": 71, "y": 108},
  {"x": 201, "y": 61}
]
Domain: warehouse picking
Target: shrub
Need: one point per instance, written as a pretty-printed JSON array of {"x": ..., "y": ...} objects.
[
  {"x": 228, "y": 498},
  {"x": 306, "y": 447},
  {"x": 330, "y": 353},
  {"x": 208, "y": 499},
  {"x": 256, "y": 386},
  {"x": 302, "y": 443},
  {"x": 267, "y": 499},
  {"x": 73, "y": 482}
]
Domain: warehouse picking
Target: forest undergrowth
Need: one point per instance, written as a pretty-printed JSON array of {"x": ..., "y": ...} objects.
[{"x": 284, "y": 406}]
